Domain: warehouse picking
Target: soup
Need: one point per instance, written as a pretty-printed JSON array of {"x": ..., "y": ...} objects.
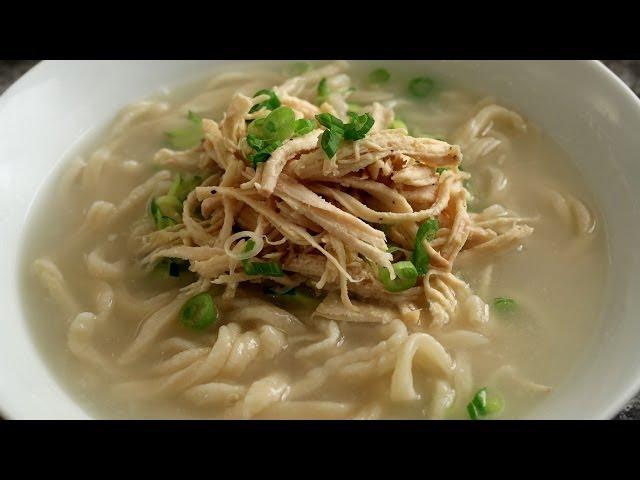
[{"x": 325, "y": 241}]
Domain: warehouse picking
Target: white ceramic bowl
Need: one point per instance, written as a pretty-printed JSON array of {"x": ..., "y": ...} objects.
[{"x": 581, "y": 104}]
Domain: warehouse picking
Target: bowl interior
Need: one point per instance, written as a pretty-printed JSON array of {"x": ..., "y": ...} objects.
[{"x": 580, "y": 104}]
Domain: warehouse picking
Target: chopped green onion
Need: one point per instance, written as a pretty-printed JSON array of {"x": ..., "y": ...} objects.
[
  {"x": 165, "y": 222},
  {"x": 169, "y": 206},
  {"x": 303, "y": 126},
  {"x": 398, "y": 124},
  {"x": 329, "y": 121},
  {"x": 256, "y": 143},
  {"x": 323, "y": 91},
  {"x": 406, "y": 276},
  {"x": 393, "y": 248},
  {"x": 336, "y": 131},
  {"x": 166, "y": 210},
  {"x": 359, "y": 126},
  {"x": 262, "y": 156},
  {"x": 330, "y": 142},
  {"x": 159, "y": 218},
  {"x": 439, "y": 170},
  {"x": 256, "y": 128},
  {"x": 421, "y": 87},
  {"x": 172, "y": 267},
  {"x": 248, "y": 246},
  {"x": 333, "y": 135},
  {"x": 189, "y": 136},
  {"x": 263, "y": 149},
  {"x": 278, "y": 125},
  {"x": 268, "y": 269},
  {"x": 183, "y": 185},
  {"x": 266, "y": 134},
  {"x": 297, "y": 68},
  {"x": 420, "y": 258},
  {"x": 379, "y": 75},
  {"x": 482, "y": 404},
  {"x": 199, "y": 312},
  {"x": 505, "y": 305},
  {"x": 271, "y": 103}
]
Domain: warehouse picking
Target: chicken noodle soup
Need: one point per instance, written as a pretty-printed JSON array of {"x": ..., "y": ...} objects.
[{"x": 326, "y": 241}]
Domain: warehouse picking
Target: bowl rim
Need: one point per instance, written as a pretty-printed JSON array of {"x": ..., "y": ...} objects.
[
  {"x": 9, "y": 409},
  {"x": 633, "y": 386}
]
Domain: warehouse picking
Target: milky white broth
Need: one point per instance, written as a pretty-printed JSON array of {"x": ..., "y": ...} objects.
[{"x": 557, "y": 276}]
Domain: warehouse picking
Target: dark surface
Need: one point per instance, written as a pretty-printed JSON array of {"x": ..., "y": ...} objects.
[{"x": 627, "y": 70}]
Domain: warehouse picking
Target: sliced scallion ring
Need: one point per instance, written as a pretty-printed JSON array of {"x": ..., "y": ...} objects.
[
  {"x": 245, "y": 254},
  {"x": 199, "y": 312}
]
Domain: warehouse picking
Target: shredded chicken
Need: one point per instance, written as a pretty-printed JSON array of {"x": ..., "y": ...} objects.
[{"x": 329, "y": 223}]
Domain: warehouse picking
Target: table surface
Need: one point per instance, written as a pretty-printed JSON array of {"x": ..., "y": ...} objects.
[{"x": 627, "y": 70}]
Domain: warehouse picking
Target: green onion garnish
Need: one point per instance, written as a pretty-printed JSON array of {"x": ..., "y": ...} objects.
[
  {"x": 166, "y": 210},
  {"x": 333, "y": 135},
  {"x": 263, "y": 149},
  {"x": 329, "y": 121},
  {"x": 337, "y": 131},
  {"x": 330, "y": 142},
  {"x": 249, "y": 244},
  {"x": 266, "y": 134},
  {"x": 421, "y": 87},
  {"x": 359, "y": 126},
  {"x": 255, "y": 143},
  {"x": 169, "y": 206},
  {"x": 482, "y": 404},
  {"x": 165, "y": 222},
  {"x": 406, "y": 276},
  {"x": 161, "y": 220},
  {"x": 189, "y": 136},
  {"x": 171, "y": 267},
  {"x": 323, "y": 91},
  {"x": 183, "y": 185},
  {"x": 379, "y": 75},
  {"x": 199, "y": 312},
  {"x": 439, "y": 170},
  {"x": 505, "y": 305},
  {"x": 278, "y": 125},
  {"x": 268, "y": 269},
  {"x": 420, "y": 258},
  {"x": 303, "y": 126},
  {"x": 271, "y": 103}
]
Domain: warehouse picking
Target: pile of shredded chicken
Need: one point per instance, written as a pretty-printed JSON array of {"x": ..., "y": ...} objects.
[{"x": 329, "y": 222}]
